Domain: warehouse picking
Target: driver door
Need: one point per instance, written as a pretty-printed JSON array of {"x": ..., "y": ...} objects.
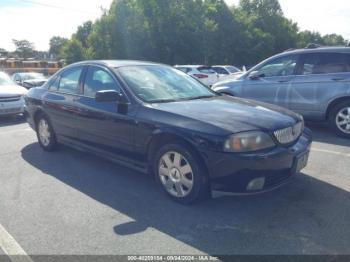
[
  {"x": 272, "y": 81},
  {"x": 103, "y": 125}
]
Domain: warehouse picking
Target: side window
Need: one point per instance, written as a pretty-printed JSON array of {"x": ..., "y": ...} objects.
[
  {"x": 98, "y": 79},
  {"x": 16, "y": 78},
  {"x": 325, "y": 63},
  {"x": 53, "y": 85},
  {"x": 184, "y": 69},
  {"x": 220, "y": 70},
  {"x": 282, "y": 66},
  {"x": 69, "y": 80}
]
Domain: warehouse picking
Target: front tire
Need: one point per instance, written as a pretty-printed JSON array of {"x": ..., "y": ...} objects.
[
  {"x": 179, "y": 173},
  {"x": 46, "y": 135},
  {"x": 339, "y": 119}
]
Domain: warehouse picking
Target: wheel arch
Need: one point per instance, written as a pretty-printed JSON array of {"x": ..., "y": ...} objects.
[
  {"x": 162, "y": 138},
  {"x": 334, "y": 103},
  {"x": 37, "y": 113}
]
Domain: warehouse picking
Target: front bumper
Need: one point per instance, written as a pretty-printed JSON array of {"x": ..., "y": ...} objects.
[
  {"x": 232, "y": 172},
  {"x": 12, "y": 108}
]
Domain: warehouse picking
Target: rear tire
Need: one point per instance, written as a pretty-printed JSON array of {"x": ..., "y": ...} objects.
[
  {"x": 339, "y": 119},
  {"x": 45, "y": 133},
  {"x": 180, "y": 174}
]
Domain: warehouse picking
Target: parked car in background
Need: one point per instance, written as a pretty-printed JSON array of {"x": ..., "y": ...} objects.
[
  {"x": 314, "y": 82},
  {"x": 157, "y": 119},
  {"x": 11, "y": 96},
  {"x": 204, "y": 74},
  {"x": 29, "y": 80},
  {"x": 226, "y": 69},
  {"x": 227, "y": 72}
]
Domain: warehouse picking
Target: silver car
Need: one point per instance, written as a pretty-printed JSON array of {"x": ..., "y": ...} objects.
[{"x": 314, "y": 82}]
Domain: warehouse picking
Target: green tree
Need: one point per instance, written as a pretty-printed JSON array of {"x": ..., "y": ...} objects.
[
  {"x": 73, "y": 51},
  {"x": 191, "y": 31},
  {"x": 56, "y": 45},
  {"x": 334, "y": 40},
  {"x": 24, "y": 48},
  {"x": 268, "y": 31},
  {"x": 83, "y": 33}
]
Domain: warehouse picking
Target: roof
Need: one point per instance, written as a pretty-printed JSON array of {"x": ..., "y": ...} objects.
[
  {"x": 191, "y": 66},
  {"x": 320, "y": 50},
  {"x": 222, "y": 65},
  {"x": 117, "y": 63}
]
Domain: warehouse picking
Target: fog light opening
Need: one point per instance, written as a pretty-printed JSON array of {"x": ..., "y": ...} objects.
[{"x": 256, "y": 184}]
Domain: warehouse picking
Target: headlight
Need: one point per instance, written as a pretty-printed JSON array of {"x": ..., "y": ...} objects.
[{"x": 248, "y": 142}]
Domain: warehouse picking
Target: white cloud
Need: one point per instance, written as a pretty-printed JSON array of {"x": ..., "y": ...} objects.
[{"x": 23, "y": 19}]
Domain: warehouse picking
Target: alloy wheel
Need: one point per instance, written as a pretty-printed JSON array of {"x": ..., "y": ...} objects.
[
  {"x": 343, "y": 120},
  {"x": 44, "y": 132},
  {"x": 176, "y": 174}
]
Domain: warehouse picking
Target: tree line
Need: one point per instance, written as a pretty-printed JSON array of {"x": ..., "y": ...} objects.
[{"x": 188, "y": 32}]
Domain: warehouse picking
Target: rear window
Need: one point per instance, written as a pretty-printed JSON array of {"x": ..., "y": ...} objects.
[
  {"x": 326, "y": 63},
  {"x": 233, "y": 69},
  {"x": 184, "y": 69},
  {"x": 206, "y": 70}
]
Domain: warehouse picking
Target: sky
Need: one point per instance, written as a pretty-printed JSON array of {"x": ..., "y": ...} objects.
[{"x": 39, "y": 20}]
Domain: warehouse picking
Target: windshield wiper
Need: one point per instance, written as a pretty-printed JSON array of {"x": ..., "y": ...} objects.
[
  {"x": 199, "y": 97},
  {"x": 179, "y": 100},
  {"x": 162, "y": 101}
]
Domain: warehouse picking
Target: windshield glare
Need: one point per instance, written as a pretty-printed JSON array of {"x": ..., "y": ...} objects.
[
  {"x": 5, "y": 80},
  {"x": 31, "y": 76},
  {"x": 154, "y": 83},
  {"x": 233, "y": 69}
]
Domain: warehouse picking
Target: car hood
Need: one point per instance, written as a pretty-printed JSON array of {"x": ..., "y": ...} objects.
[
  {"x": 232, "y": 82},
  {"x": 231, "y": 114},
  {"x": 11, "y": 90},
  {"x": 35, "y": 81}
]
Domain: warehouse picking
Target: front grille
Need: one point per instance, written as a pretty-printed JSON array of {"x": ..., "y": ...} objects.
[
  {"x": 289, "y": 134},
  {"x": 10, "y": 99}
]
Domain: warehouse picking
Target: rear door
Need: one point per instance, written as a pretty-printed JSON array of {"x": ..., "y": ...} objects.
[
  {"x": 274, "y": 79},
  {"x": 321, "y": 78},
  {"x": 59, "y": 102}
]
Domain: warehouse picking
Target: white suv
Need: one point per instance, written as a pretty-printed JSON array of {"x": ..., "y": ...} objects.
[{"x": 204, "y": 74}]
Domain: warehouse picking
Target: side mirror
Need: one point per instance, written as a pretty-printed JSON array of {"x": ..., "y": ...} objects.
[
  {"x": 255, "y": 75},
  {"x": 110, "y": 96}
]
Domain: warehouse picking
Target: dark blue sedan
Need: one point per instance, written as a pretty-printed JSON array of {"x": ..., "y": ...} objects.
[{"x": 157, "y": 119}]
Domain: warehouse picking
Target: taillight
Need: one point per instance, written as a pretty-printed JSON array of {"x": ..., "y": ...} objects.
[{"x": 200, "y": 76}]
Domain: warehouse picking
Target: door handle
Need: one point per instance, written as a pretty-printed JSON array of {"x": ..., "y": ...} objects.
[
  {"x": 283, "y": 81},
  {"x": 338, "y": 79}
]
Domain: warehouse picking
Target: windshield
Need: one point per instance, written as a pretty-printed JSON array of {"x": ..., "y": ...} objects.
[
  {"x": 233, "y": 69},
  {"x": 5, "y": 80},
  {"x": 31, "y": 76},
  {"x": 155, "y": 83}
]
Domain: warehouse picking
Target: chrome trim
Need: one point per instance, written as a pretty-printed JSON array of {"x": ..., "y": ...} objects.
[
  {"x": 289, "y": 134},
  {"x": 10, "y": 98}
]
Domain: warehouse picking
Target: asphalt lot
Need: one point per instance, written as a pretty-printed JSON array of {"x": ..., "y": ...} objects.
[{"x": 68, "y": 202}]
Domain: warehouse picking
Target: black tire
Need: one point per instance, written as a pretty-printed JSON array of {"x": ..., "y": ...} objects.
[
  {"x": 200, "y": 186},
  {"x": 333, "y": 117},
  {"x": 51, "y": 145}
]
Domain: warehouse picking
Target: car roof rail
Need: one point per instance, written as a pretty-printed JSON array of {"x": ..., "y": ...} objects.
[
  {"x": 312, "y": 46},
  {"x": 289, "y": 49}
]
